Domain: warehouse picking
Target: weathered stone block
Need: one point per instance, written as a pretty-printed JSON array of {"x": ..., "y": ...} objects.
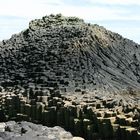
[
  {"x": 28, "y": 109},
  {"x": 46, "y": 118},
  {"x": 121, "y": 119},
  {"x": 67, "y": 117},
  {"x": 86, "y": 123},
  {"x": 108, "y": 114},
  {"x": 60, "y": 117},
  {"x": 53, "y": 115},
  {"x": 131, "y": 134},
  {"x": 122, "y": 132},
  {"x": 11, "y": 111},
  {"x": 98, "y": 105},
  {"x": 79, "y": 111},
  {"x": 72, "y": 110},
  {"x": 90, "y": 131},
  {"x": 90, "y": 111},
  {"x": 135, "y": 123},
  {"x": 78, "y": 128},
  {"x": 99, "y": 125},
  {"x": 71, "y": 124},
  {"x": 33, "y": 112},
  {"x": 59, "y": 105},
  {"x": 107, "y": 127},
  {"x": 44, "y": 99},
  {"x": 128, "y": 121},
  {"x": 39, "y": 110},
  {"x": 115, "y": 128}
]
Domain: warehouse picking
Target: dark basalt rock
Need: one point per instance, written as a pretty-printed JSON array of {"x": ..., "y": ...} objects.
[
  {"x": 84, "y": 114},
  {"x": 68, "y": 53},
  {"x": 61, "y": 71}
]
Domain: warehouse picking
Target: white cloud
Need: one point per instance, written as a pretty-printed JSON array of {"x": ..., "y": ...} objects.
[
  {"x": 95, "y": 10},
  {"x": 114, "y": 2},
  {"x": 131, "y": 33},
  {"x": 52, "y": 2},
  {"x": 38, "y": 8}
]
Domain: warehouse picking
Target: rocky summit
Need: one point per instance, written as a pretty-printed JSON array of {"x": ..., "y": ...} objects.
[{"x": 64, "y": 72}]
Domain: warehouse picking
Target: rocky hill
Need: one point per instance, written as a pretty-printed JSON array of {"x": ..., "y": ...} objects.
[
  {"x": 68, "y": 53},
  {"x": 56, "y": 55}
]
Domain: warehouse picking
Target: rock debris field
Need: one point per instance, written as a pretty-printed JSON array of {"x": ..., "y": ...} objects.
[{"x": 64, "y": 79}]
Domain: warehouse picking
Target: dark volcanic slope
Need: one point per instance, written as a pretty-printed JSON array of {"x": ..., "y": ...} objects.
[{"x": 66, "y": 52}]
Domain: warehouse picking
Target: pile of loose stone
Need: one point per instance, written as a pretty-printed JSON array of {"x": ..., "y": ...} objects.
[{"x": 84, "y": 114}]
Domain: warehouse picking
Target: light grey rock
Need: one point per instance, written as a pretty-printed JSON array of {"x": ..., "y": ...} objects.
[{"x": 30, "y": 131}]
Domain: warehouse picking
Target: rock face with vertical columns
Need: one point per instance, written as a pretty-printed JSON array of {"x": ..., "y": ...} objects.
[
  {"x": 90, "y": 118},
  {"x": 66, "y": 52}
]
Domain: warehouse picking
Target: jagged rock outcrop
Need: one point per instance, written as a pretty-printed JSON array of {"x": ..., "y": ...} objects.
[
  {"x": 84, "y": 114},
  {"x": 68, "y": 53}
]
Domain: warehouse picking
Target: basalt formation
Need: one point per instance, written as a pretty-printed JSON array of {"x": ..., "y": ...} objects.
[{"x": 82, "y": 77}]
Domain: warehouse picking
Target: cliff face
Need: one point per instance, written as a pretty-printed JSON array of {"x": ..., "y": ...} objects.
[{"x": 68, "y": 53}]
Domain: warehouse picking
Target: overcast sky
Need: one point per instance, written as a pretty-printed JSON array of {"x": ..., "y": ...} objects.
[{"x": 121, "y": 16}]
